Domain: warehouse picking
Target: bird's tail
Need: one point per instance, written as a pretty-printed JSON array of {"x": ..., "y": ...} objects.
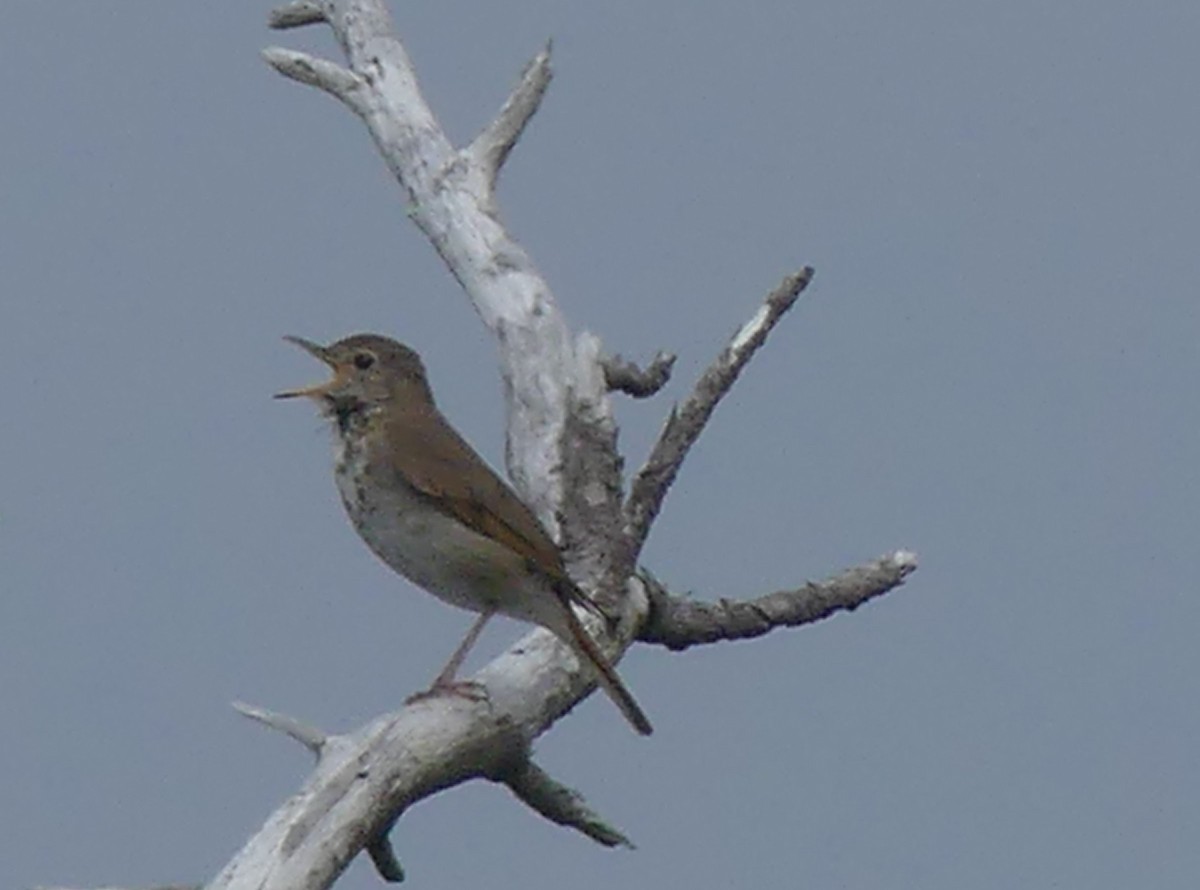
[{"x": 587, "y": 650}]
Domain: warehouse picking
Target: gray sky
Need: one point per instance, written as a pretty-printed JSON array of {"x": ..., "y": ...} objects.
[{"x": 997, "y": 367}]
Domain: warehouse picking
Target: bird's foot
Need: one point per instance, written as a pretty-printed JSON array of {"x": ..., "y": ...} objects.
[{"x": 468, "y": 689}]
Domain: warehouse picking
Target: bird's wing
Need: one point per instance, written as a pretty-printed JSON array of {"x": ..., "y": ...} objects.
[{"x": 437, "y": 462}]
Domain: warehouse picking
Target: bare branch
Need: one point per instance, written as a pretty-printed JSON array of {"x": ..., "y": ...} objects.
[
  {"x": 383, "y": 856},
  {"x": 364, "y": 781},
  {"x": 685, "y": 424},
  {"x": 677, "y": 623},
  {"x": 295, "y": 15},
  {"x": 624, "y": 376},
  {"x": 308, "y": 736},
  {"x": 560, "y": 426},
  {"x": 491, "y": 147},
  {"x": 562, "y": 805},
  {"x": 339, "y": 82}
]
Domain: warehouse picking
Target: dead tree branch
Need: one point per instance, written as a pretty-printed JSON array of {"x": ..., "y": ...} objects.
[
  {"x": 685, "y": 424},
  {"x": 560, "y": 804},
  {"x": 491, "y": 147},
  {"x": 308, "y": 736},
  {"x": 561, "y": 456},
  {"x": 679, "y": 622},
  {"x": 323, "y": 74},
  {"x": 364, "y": 781}
]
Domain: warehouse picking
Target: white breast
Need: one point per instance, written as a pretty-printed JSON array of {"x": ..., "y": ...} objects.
[{"x": 431, "y": 549}]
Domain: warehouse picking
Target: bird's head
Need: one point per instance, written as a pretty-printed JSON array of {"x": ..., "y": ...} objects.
[{"x": 368, "y": 370}]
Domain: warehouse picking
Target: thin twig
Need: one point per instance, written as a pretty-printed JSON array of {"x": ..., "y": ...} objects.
[
  {"x": 309, "y": 736},
  {"x": 534, "y": 787},
  {"x": 295, "y": 15},
  {"x": 383, "y": 857},
  {"x": 339, "y": 82},
  {"x": 677, "y": 622},
  {"x": 685, "y": 424},
  {"x": 622, "y": 375},
  {"x": 492, "y": 145}
]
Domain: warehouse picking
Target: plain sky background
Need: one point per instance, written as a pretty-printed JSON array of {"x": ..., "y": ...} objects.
[{"x": 997, "y": 367}]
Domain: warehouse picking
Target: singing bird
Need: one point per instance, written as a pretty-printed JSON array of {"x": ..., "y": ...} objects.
[{"x": 434, "y": 511}]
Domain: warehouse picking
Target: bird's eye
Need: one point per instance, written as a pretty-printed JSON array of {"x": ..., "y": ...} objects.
[{"x": 363, "y": 360}]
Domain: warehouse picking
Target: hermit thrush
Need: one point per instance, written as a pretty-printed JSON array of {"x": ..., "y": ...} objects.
[{"x": 434, "y": 511}]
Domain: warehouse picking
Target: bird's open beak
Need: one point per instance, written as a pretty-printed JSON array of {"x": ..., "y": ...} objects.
[{"x": 320, "y": 389}]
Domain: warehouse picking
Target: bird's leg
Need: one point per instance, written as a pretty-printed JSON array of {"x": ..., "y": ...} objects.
[
  {"x": 450, "y": 671},
  {"x": 445, "y": 681}
]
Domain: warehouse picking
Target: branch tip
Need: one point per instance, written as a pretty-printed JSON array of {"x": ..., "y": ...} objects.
[
  {"x": 339, "y": 82},
  {"x": 383, "y": 857},
  {"x": 547, "y": 797},
  {"x": 684, "y": 425},
  {"x": 625, "y": 376},
  {"x": 679, "y": 622},
  {"x": 309, "y": 736},
  {"x": 491, "y": 147},
  {"x": 295, "y": 15}
]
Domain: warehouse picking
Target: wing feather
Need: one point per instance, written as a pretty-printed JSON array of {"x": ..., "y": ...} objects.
[{"x": 437, "y": 462}]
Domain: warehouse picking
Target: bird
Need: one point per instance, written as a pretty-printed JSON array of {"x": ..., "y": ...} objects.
[{"x": 433, "y": 510}]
